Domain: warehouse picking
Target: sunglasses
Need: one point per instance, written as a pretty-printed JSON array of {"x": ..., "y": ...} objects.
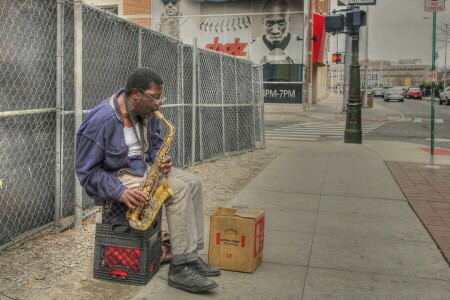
[{"x": 160, "y": 100}]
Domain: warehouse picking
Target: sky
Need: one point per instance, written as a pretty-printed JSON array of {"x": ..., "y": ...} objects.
[{"x": 398, "y": 30}]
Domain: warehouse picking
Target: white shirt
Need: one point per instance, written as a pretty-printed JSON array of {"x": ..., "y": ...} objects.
[{"x": 132, "y": 141}]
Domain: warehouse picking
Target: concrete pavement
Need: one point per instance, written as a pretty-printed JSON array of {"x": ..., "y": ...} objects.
[{"x": 338, "y": 226}]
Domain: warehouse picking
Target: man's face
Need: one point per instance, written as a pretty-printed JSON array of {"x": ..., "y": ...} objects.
[
  {"x": 171, "y": 7},
  {"x": 275, "y": 25},
  {"x": 145, "y": 102}
]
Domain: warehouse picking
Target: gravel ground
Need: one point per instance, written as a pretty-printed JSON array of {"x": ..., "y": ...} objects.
[{"x": 49, "y": 266}]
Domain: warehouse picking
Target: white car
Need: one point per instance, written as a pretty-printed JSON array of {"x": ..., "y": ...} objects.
[
  {"x": 393, "y": 94},
  {"x": 444, "y": 96}
]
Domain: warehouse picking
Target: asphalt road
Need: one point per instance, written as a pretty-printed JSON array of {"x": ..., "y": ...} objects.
[{"x": 416, "y": 127}]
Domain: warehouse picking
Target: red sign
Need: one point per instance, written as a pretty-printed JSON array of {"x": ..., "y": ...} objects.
[
  {"x": 319, "y": 36},
  {"x": 236, "y": 48},
  {"x": 434, "y": 5},
  {"x": 434, "y": 75},
  {"x": 259, "y": 237}
]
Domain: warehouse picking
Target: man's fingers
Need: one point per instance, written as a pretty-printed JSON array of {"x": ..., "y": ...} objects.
[{"x": 139, "y": 197}]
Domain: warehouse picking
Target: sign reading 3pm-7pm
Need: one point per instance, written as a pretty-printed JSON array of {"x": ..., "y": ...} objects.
[{"x": 356, "y": 2}]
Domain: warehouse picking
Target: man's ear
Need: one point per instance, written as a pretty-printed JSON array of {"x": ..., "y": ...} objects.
[{"x": 134, "y": 93}]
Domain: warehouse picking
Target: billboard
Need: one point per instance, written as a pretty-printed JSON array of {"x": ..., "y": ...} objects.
[{"x": 268, "y": 32}]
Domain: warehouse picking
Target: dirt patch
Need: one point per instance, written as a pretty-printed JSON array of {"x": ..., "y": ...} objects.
[{"x": 49, "y": 266}]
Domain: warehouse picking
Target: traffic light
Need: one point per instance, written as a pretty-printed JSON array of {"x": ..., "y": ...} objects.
[
  {"x": 336, "y": 57},
  {"x": 334, "y": 23},
  {"x": 356, "y": 18}
]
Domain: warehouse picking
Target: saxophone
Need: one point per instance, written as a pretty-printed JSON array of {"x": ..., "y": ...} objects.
[{"x": 154, "y": 186}]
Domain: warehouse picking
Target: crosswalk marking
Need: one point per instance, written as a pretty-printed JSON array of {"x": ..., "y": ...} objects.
[
  {"x": 419, "y": 120},
  {"x": 313, "y": 131}
]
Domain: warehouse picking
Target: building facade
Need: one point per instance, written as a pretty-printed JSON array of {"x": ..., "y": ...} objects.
[
  {"x": 382, "y": 74},
  {"x": 294, "y": 64}
]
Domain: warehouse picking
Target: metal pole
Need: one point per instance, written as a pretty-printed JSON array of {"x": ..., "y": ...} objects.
[
  {"x": 78, "y": 95},
  {"x": 381, "y": 75},
  {"x": 433, "y": 87},
  {"x": 366, "y": 61},
  {"x": 445, "y": 57},
  {"x": 139, "y": 62},
  {"x": 194, "y": 99},
  {"x": 261, "y": 105},
  {"x": 347, "y": 64},
  {"x": 353, "y": 131},
  {"x": 237, "y": 102},
  {"x": 59, "y": 114},
  {"x": 253, "y": 102},
  {"x": 223, "y": 104}
]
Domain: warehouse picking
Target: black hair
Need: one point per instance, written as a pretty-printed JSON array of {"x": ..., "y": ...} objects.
[{"x": 142, "y": 78}]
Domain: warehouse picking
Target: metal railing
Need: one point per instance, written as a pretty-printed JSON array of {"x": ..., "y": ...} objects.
[{"x": 59, "y": 59}]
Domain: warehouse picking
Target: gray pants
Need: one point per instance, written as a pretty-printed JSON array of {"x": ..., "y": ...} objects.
[{"x": 184, "y": 213}]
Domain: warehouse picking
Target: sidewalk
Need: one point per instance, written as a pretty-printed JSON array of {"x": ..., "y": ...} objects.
[{"x": 338, "y": 226}]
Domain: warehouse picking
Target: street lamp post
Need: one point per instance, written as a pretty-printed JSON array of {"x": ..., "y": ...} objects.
[{"x": 353, "y": 131}]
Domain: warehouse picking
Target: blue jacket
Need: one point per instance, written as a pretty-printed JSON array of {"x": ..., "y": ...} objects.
[{"x": 101, "y": 150}]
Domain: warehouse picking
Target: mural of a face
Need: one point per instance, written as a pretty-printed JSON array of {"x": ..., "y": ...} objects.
[
  {"x": 276, "y": 27},
  {"x": 171, "y": 7}
]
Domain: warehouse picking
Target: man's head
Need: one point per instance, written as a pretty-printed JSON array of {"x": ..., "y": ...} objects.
[
  {"x": 275, "y": 20},
  {"x": 143, "y": 89},
  {"x": 171, "y": 7}
]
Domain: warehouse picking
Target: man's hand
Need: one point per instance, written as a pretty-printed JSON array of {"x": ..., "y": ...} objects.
[
  {"x": 166, "y": 165},
  {"x": 133, "y": 198}
]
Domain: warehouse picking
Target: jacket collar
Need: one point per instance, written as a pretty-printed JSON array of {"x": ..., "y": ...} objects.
[{"x": 114, "y": 102}]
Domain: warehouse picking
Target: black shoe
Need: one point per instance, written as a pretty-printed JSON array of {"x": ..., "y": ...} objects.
[
  {"x": 190, "y": 280},
  {"x": 204, "y": 268}
]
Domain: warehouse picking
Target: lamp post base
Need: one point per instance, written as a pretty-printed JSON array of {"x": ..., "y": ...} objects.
[{"x": 353, "y": 131}]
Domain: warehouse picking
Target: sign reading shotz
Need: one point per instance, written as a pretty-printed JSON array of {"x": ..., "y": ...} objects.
[
  {"x": 434, "y": 5},
  {"x": 356, "y": 2}
]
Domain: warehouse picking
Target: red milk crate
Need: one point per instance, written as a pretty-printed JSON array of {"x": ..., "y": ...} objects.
[{"x": 125, "y": 255}]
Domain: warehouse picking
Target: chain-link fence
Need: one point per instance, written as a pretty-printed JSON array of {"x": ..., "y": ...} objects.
[{"x": 58, "y": 59}]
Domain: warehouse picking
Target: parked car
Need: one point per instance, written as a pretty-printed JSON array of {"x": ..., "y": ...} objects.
[
  {"x": 444, "y": 96},
  {"x": 393, "y": 94},
  {"x": 378, "y": 92},
  {"x": 415, "y": 93}
]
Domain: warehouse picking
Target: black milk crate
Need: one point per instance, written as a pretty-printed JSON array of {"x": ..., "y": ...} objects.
[{"x": 125, "y": 255}]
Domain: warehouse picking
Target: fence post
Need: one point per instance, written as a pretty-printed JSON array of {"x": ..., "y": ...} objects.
[
  {"x": 252, "y": 80},
  {"x": 139, "y": 62},
  {"x": 261, "y": 106},
  {"x": 180, "y": 107},
  {"x": 223, "y": 103},
  {"x": 78, "y": 95},
  {"x": 200, "y": 112},
  {"x": 59, "y": 113},
  {"x": 194, "y": 99},
  {"x": 237, "y": 104}
]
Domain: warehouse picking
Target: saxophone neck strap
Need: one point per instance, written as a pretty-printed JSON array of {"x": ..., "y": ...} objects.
[{"x": 140, "y": 126}]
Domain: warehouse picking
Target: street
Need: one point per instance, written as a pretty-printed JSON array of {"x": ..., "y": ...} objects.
[
  {"x": 408, "y": 121},
  {"x": 416, "y": 127}
]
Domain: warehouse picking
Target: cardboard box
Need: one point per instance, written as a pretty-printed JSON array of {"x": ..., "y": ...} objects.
[{"x": 236, "y": 238}]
